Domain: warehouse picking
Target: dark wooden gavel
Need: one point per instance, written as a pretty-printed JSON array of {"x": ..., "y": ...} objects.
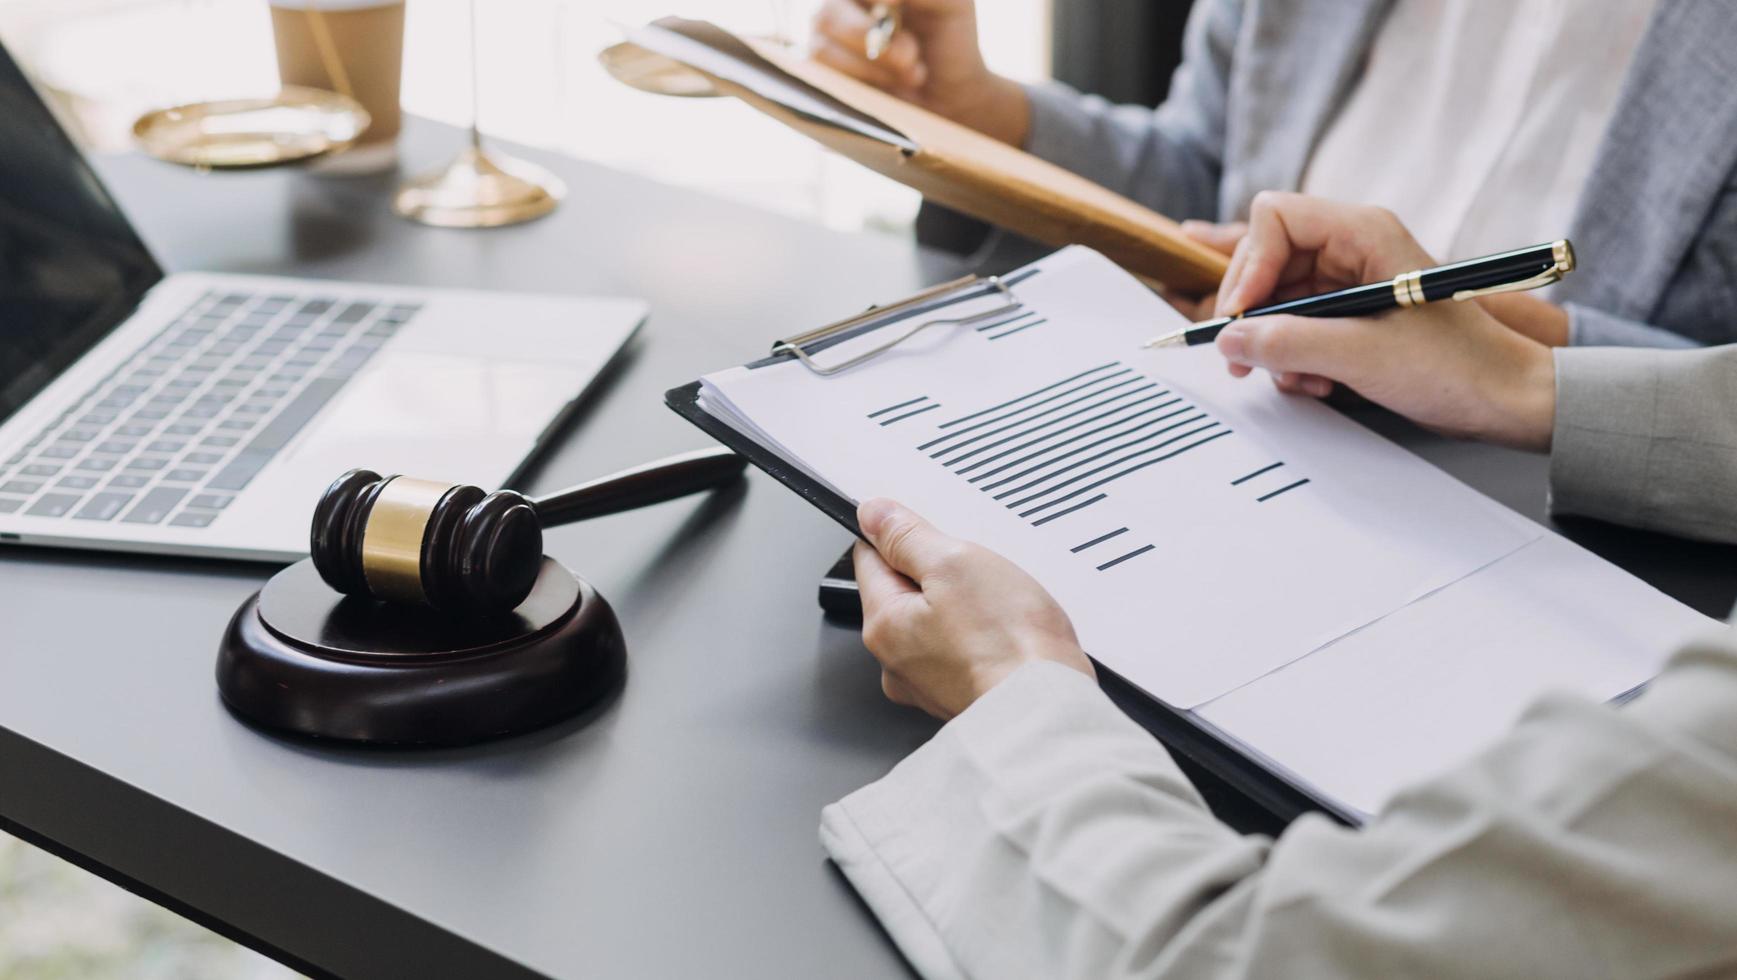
[{"x": 461, "y": 550}]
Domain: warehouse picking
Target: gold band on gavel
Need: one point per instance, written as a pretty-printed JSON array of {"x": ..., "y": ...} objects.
[{"x": 392, "y": 542}]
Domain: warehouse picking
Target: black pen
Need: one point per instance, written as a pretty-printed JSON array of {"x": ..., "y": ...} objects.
[{"x": 1524, "y": 268}]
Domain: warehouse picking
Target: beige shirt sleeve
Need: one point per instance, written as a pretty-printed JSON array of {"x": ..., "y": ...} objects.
[
  {"x": 1647, "y": 438},
  {"x": 1043, "y": 834}
]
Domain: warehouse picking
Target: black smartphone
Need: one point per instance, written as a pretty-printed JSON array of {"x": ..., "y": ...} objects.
[{"x": 838, "y": 596}]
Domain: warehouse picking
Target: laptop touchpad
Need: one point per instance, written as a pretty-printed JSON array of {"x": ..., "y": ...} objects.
[{"x": 440, "y": 416}]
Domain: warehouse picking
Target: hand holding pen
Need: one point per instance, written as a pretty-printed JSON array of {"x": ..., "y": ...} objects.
[
  {"x": 884, "y": 19},
  {"x": 1449, "y": 366},
  {"x": 925, "y": 52},
  {"x": 1506, "y": 272}
]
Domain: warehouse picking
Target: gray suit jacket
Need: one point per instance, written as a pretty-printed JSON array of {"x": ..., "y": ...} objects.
[
  {"x": 1656, "y": 225},
  {"x": 1648, "y": 438}
]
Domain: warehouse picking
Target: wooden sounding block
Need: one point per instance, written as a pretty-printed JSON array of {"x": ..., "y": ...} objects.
[{"x": 300, "y": 658}]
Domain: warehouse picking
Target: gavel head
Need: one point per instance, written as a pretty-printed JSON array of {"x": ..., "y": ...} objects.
[{"x": 445, "y": 545}]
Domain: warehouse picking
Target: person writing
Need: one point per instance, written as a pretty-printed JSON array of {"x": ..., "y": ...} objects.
[
  {"x": 1485, "y": 125},
  {"x": 1041, "y": 833}
]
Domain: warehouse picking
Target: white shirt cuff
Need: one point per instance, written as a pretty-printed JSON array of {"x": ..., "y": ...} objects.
[{"x": 904, "y": 840}]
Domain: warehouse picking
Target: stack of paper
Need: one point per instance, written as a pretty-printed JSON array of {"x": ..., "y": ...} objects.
[{"x": 1338, "y": 609}]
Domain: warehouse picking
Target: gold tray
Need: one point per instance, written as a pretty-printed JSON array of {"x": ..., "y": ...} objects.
[{"x": 295, "y": 125}]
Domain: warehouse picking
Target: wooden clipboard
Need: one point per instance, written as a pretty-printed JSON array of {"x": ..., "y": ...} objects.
[{"x": 948, "y": 163}]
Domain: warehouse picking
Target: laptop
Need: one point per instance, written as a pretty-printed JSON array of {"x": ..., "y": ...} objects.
[{"x": 203, "y": 414}]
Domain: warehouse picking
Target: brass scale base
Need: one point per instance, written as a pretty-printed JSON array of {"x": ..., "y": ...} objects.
[{"x": 478, "y": 190}]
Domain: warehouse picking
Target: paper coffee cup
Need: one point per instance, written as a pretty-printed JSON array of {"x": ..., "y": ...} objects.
[{"x": 367, "y": 42}]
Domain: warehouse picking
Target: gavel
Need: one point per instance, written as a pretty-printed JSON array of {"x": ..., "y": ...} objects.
[{"x": 461, "y": 550}]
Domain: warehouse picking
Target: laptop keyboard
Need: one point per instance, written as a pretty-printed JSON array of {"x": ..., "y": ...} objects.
[{"x": 177, "y": 431}]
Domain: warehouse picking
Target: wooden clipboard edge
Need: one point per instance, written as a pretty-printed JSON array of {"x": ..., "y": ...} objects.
[
  {"x": 1152, "y": 256},
  {"x": 1173, "y": 728},
  {"x": 1135, "y": 237},
  {"x": 980, "y": 175}
]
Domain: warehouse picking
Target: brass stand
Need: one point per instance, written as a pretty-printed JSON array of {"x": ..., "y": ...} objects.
[{"x": 479, "y": 189}]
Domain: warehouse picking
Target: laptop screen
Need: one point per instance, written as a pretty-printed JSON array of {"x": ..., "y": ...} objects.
[{"x": 71, "y": 266}]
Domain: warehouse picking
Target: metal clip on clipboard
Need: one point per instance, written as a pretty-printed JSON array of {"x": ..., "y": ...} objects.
[{"x": 798, "y": 344}]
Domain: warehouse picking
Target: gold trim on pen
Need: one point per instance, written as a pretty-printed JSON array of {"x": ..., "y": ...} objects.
[
  {"x": 392, "y": 542},
  {"x": 1408, "y": 288},
  {"x": 1562, "y": 258},
  {"x": 1563, "y": 253}
]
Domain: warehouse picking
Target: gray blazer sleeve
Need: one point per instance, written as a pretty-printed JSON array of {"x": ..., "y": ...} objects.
[
  {"x": 1647, "y": 438},
  {"x": 1589, "y": 327},
  {"x": 1042, "y": 834},
  {"x": 1169, "y": 159}
]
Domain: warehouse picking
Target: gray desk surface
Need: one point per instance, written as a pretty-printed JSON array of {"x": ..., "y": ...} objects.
[{"x": 672, "y": 835}]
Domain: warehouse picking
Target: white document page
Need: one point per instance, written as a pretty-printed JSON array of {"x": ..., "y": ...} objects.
[
  {"x": 1432, "y": 684},
  {"x": 1201, "y": 531}
]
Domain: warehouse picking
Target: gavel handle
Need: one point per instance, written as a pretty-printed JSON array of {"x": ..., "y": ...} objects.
[{"x": 640, "y": 486}]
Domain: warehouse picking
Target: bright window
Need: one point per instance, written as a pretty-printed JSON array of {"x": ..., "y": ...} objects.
[{"x": 109, "y": 60}]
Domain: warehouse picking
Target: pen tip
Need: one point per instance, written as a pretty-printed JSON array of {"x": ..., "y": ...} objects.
[{"x": 1176, "y": 339}]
